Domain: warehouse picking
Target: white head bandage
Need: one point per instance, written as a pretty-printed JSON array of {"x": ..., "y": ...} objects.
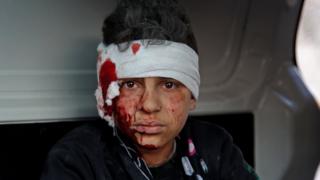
[{"x": 168, "y": 59}]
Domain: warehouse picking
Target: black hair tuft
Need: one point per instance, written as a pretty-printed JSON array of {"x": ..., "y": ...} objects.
[{"x": 148, "y": 19}]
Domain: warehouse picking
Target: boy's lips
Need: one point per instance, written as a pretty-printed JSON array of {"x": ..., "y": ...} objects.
[{"x": 150, "y": 127}]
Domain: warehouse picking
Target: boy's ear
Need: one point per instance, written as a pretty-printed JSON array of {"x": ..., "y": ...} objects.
[{"x": 193, "y": 104}]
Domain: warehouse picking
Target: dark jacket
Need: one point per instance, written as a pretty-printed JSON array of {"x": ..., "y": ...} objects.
[{"x": 92, "y": 152}]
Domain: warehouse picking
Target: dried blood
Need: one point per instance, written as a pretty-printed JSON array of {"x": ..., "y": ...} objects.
[
  {"x": 124, "y": 119},
  {"x": 135, "y": 47}
]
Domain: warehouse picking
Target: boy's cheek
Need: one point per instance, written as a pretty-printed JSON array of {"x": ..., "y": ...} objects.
[{"x": 126, "y": 108}]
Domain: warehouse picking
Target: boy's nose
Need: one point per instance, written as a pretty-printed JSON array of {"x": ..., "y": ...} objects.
[{"x": 150, "y": 102}]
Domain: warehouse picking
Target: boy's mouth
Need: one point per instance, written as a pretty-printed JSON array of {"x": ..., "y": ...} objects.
[{"x": 148, "y": 127}]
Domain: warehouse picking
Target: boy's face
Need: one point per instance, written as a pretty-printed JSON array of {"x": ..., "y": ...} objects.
[{"x": 152, "y": 111}]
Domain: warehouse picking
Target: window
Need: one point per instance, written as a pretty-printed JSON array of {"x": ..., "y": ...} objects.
[{"x": 308, "y": 47}]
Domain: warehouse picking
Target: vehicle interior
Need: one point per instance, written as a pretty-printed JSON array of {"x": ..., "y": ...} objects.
[{"x": 250, "y": 82}]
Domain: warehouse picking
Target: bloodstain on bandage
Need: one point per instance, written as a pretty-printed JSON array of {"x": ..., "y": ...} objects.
[
  {"x": 107, "y": 74},
  {"x": 135, "y": 48}
]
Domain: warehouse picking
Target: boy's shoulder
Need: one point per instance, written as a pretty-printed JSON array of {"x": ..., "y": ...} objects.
[
  {"x": 216, "y": 146},
  {"x": 208, "y": 131},
  {"x": 85, "y": 136}
]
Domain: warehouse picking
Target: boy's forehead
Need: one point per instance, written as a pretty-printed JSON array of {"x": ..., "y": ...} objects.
[{"x": 157, "y": 78}]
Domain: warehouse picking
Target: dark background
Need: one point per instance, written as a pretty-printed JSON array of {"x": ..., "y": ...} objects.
[{"x": 23, "y": 147}]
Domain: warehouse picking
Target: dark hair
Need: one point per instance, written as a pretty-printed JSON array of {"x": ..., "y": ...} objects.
[{"x": 148, "y": 19}]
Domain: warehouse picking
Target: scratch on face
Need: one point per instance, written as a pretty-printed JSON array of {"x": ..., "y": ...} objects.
[{"x": 173, "y": 108}]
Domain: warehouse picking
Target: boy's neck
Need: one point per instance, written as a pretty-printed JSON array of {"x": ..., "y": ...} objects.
[{"x": 159, "y": 156}]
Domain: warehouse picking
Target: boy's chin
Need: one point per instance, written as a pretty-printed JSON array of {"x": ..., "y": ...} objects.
[
  {"x": 147, "y": 143},
  {"x": 149, "y": 147}
]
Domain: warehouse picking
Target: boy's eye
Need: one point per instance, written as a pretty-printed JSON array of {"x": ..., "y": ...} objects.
[
  {"x": 128, "y": 84},
  {"x": 169, "y": 85}
]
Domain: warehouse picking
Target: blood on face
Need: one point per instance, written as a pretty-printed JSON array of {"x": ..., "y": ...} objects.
[{"x": 174, "y": 106}]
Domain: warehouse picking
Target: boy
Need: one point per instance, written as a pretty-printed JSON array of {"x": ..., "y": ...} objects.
[{"x": 148, "y": 82}]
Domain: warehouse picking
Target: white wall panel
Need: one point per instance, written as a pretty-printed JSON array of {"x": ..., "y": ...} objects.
[{"x": 47, "y": 58}]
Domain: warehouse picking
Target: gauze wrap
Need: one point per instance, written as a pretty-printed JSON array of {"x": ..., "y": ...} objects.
[{"x": 140, "y": 60}]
